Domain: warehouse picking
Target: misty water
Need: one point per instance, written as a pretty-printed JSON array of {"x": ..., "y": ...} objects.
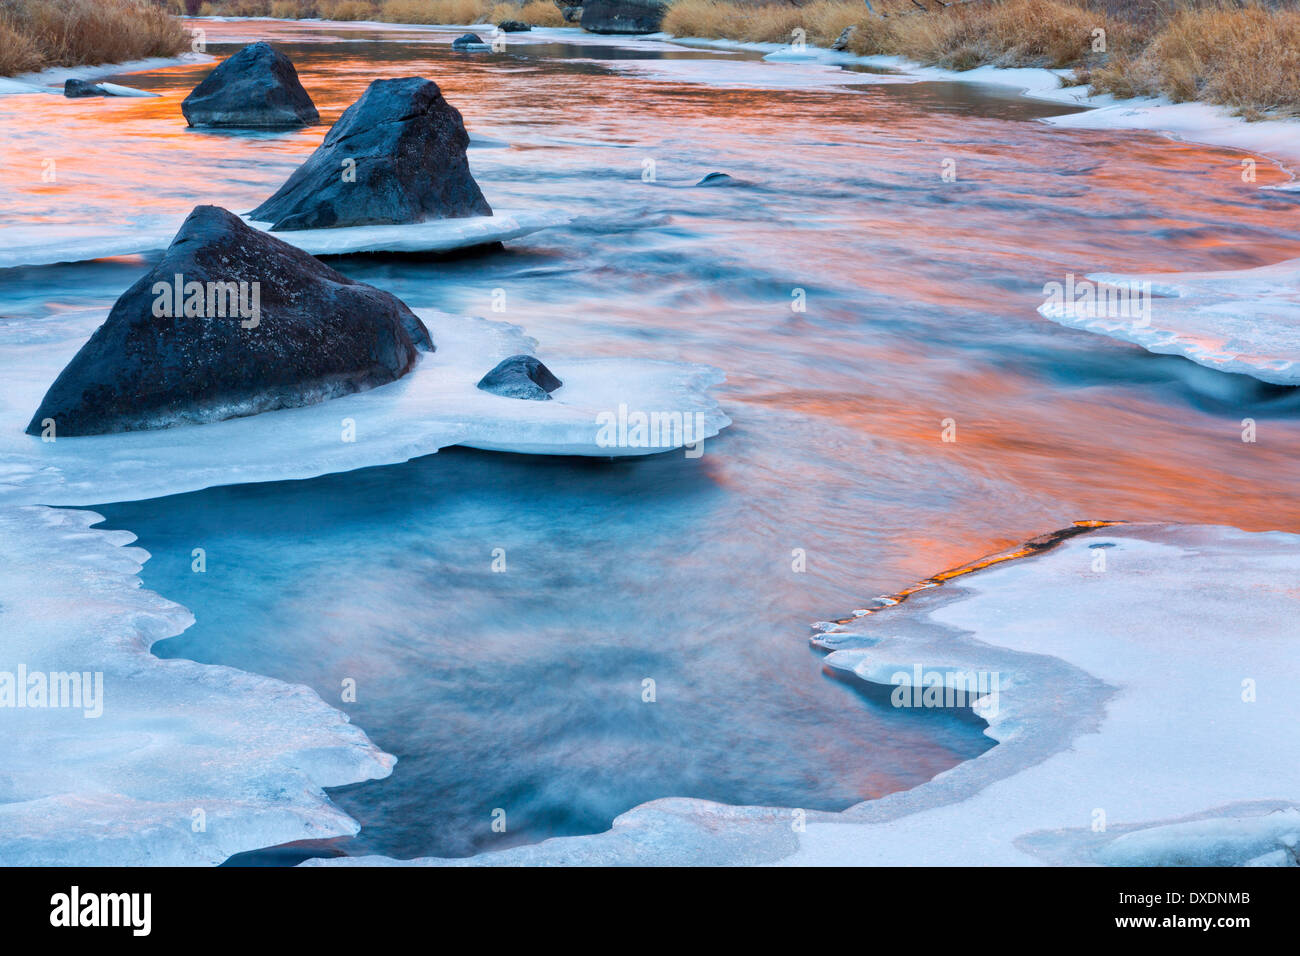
[{"x": 524, "y": 689}]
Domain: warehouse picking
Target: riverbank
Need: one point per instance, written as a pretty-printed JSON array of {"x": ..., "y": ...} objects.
[
  {"x": 1201, "y": 51},
  {"x": 40, "y": 34}
]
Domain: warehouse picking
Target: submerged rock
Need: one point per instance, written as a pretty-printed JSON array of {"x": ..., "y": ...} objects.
[
  {"x": 74, "y": 89},
  {"x": 396, "y": 155},
  {"x": 623, "y": 16},
  {"x": 229, "y": 323},
  {"x": 467, "y": 41},
  {"x": 513, "y": 26},
  {"x": 256, "y": 88},
  {"x": 717, "y": 179},
  {"x": 521, "y": 376}
]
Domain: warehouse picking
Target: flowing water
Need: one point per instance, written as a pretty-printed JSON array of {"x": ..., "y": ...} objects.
[{"x": 523, "y": 690}]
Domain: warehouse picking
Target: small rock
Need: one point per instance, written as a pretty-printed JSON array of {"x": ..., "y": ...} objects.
[
  {"x": 467, "y": 41},
  {"x": 716, "y": 179},
  {"x": 842, "y": 42},
  {"x": 78, "y": 88},
  {"x": 521, "y": 376},
  {"x": 513, "y": 26}
]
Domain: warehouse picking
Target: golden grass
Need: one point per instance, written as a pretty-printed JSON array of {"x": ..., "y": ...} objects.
[
  {"x": 1246, "y": 59},
  {"x": 35, "y": 34},
  {"x": 18, "y": 52},
  {"x": 1007, "y": 33},
  {"x": 540, "y": 13}
]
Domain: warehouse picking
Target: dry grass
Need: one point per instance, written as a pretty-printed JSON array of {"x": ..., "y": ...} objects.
[
  {"x": 539, "y": 13},
  {"x": 1007, "y": 33},
  {"x": 1247, "y": 59},
  {"x": 35, "y": 34},
  {"x": 18, "y": 52}
]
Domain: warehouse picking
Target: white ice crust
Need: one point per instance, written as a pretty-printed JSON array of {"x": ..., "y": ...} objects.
[
  {"x": 432, "y": 407},
  {"x": 1146, "y": 715},
  {"x": 29, "y": 245},
  {"x": 188, "y": 763},
  {"x": 1245, "y": 321}
]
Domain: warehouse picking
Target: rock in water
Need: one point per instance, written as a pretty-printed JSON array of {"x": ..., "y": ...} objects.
[
  {"x": 467, "y": 41},
  {"x": 74, "y": 89},
  {"x": 397, "y": 155},
  {"x": 521, "y": 376},
  {"x": 256, "y": 88},
  {"x": 716, "y": 179},
  {"x": 623, "y": 16},
  {"x": 261, "y": 325},
  {"x": 513, "y": 26}
]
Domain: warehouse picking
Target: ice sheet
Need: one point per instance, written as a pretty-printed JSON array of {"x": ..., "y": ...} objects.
[
  {"x": 1145, "y": 715},
  {"x": 434, "y": 406},
  {"x": 186, "y": 763},
  {"x": 1245, "y": 321},
  {"x": 36, "y": 245}
]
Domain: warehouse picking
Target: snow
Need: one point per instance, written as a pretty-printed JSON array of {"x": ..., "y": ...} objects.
[
  {"x": 44, "y": 244},
  {"x": 188, "y": 763},
  {"x": 434, "y": 406},
  {"x": 1245, "y": 321},
  {"x": 1144, "y": 715},
  {"x": 52, "y": 80}
]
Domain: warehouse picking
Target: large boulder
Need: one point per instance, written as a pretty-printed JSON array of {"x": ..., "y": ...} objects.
[
  {"x": 397, "y": 155},
  {"x": 623, "y": 16},
  {"x": 230, "y": 322},
  {"x": 256, "y": 88}
]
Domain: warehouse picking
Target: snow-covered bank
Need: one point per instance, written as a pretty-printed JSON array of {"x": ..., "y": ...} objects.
[
  {"x": 49, "y": 244},
  {"x": 1144, "y": 710},
  {"x": 52, "y": 80},
  {"x": 436, "y": 405},
  {"x": 186, "y": 763},
  {"x": 1245, "y": 321}
]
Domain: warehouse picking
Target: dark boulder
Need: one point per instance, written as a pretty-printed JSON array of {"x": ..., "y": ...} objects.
[
  {"x": 397, "y": 155},
  {"x": 256, "y": 88},
  {"x": 261, "y": 325},
  {"x": 623, "y": 16},
  {"x": 78, "y": 88},
  {"x": 521, "y": 376},
  {"x": 467, "y": 41},
  {"x": 513, "y": 26}
]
